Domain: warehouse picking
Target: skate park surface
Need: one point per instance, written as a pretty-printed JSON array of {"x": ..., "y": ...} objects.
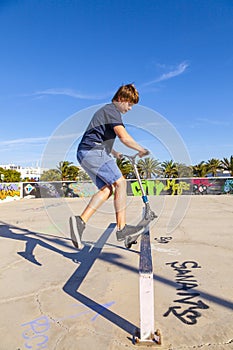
[{"x": 56, "y": 297}]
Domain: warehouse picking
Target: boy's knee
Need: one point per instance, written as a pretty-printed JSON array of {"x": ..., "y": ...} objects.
[
  {"x": 121, "y": 183},
  {"x": 108, "y": 190}
]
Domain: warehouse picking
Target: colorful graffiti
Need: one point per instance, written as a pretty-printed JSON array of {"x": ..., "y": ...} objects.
[
  {"x": 9, "y": 191},
  {"x": 156, "y": 187},
  {"x": 197, "y": 186},
  {"x": 208, "y": 186},
  {"x": 228, "y": 186},
  {"x": 79, "y": 189},
  {"x": 58, "y": 189}
]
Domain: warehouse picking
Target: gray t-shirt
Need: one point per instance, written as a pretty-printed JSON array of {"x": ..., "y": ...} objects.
[{"x": 100, "y": 133}]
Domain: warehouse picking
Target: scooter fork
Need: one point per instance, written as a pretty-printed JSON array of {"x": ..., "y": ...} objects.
[{"x": 148, "y": 214}]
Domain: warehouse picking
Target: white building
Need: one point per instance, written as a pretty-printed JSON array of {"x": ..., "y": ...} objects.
[{"x": 26, "y": 172}]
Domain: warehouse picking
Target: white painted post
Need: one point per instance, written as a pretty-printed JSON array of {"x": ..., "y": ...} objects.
[
  {"x": 146, "y": 294},
  {"x": 146, "y": 307}
]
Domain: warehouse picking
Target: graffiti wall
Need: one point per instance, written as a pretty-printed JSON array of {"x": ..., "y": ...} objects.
[
  {"x": 228, "y": 186},
  {"x": 196, "y": 186},
  {"x": 157, "y": 187},
  {"x": 59, "y": 189},
  {"x": 10, "y": 191}
]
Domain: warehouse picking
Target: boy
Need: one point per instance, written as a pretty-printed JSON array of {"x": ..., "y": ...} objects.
[{"x": 95, "y": 153}]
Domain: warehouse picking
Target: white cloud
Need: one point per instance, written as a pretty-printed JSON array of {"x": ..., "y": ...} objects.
[
  {"x": 29, "y": 140},
  {"x": 24, "y": 141},
  {"x": 178, "y": 70},
  {"x": 35, "y": 140},
  {"x": 213, "y": 122},
  {"x": 70, "y": 93}
]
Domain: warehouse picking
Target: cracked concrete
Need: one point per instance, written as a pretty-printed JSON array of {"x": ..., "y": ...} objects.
[{"x": 56, "y": 297}]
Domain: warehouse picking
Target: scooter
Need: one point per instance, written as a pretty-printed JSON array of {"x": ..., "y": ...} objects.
[{"x": 148, "y": 214}]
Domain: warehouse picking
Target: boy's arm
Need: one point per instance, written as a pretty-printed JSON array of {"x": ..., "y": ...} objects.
[
  {"x": 128, "y": 141},
  {"x": 116, "y": 154}
]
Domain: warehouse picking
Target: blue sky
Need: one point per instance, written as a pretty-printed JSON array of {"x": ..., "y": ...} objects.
[{"x": 60, "y": 57}]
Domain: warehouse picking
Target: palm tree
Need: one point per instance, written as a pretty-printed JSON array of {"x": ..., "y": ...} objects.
[
  {"x": 228, "y": 165},
  {"x": 72, "y": 172},
  {"x": 63, "y": 168},
  {"x": 68, "y": 172},
  {"x": 200, "y": 170},
  {"x": 83, "y": 176},
  {"x": 184, "y": 170},
  {"x": 148, "y": 167},
  {"x": 169, "y": 168},
  {"x": 213, "y": 165},
  {"x": 51, "y": 175},
  {"x": 125, "y": 167}
]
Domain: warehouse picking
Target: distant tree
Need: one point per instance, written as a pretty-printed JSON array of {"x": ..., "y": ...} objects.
[
  {"x": 51, "y": 175},
  {"x": 11, "y": 175},
  {"x": 63, "y": 168},
  {"x": 169, "y": 169},
  {"x": 83, "y": 176},
  {"x": 227, "y": 165},
  {"x": 213, "y": 165},
  {"x": 184, "y": 170},
  {"x": 125, "y": 167},
  {"x": 200, "y": 170},
  {"x": 72, "y": 173},
  {"x": 148, "y": 167},
  {"x": 2, "y": 176}
]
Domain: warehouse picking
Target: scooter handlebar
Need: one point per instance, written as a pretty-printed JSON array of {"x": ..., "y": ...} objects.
[{"x": 133, "y": 157}]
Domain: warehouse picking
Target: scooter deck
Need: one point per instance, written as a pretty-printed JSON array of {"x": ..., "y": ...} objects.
[{"x": 132, "y": 239}]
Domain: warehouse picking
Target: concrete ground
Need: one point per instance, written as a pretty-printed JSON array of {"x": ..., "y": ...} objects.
[{"x": 58, "y": 298}]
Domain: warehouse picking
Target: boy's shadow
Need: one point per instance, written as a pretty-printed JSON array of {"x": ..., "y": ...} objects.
[
  {"x": 85, "y": 257},
  {"x": 33, "y": 239}
]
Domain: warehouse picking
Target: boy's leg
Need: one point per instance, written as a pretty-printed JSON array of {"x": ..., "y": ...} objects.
[
  {"x": 78, "y": 223},
  {"x": 120, "y": 202},
  {"x": 96, "y": 201},
  {"x": 120, "y": 195}
]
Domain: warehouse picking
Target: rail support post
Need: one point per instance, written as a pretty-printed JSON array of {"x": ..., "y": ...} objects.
[{"x": 147, "y": 335}]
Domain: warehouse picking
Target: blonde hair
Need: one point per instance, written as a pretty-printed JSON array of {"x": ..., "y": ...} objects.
[{"x": 126, "y": 93}]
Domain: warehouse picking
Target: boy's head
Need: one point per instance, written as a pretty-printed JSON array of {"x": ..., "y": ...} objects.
[{"x": 126, "y": 93}]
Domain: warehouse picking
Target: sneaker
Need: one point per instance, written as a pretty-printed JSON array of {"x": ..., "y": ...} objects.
[
  {"x": 128, "y": 230},
  {"x": 77, "y": 226}
]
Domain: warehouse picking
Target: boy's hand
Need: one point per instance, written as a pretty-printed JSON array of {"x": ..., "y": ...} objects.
[
  {"x": 116, "y": 154},
  {"x": 119, "y": 155},
  {"x": 143, "y": 153}
]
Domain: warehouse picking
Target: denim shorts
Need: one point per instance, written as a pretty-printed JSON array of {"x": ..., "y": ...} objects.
[{"x": 100, "y": 166}]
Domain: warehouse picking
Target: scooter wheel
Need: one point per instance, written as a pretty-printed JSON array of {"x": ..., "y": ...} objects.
[
  {"x": 128, "y": 242},
  {"x": 128, "y": 245}
]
